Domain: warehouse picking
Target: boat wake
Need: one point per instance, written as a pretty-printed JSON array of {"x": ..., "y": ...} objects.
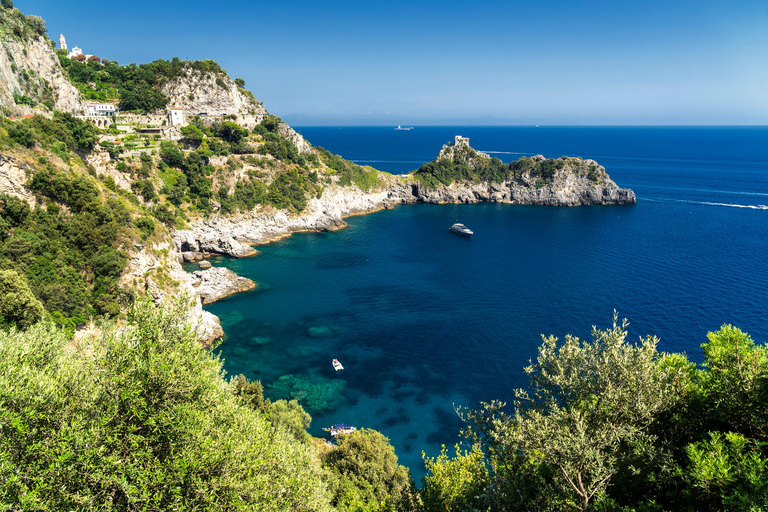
[
  {"x": 708, "y": 203},
  {"x": 387, "y": 162},
  {"x": 504, "y": 152},
  {"x": 714, "y": 191}
]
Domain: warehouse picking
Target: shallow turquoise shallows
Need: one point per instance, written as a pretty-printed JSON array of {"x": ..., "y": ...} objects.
[{"x": 424, "y": 320}]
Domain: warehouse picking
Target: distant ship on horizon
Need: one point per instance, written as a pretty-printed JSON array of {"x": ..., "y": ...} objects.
[{"x": 404, "y": 128}]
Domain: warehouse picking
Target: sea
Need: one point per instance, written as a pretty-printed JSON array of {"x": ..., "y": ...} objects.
[{"x": 428, "y": 323}]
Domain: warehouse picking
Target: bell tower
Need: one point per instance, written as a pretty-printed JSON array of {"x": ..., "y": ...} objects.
[{"x": 62, "y": 42}]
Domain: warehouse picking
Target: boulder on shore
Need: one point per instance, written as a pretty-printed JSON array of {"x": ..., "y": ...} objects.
[{"x": 216, "y": 283}]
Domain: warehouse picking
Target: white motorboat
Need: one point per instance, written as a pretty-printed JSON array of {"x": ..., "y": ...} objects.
[
  {"x": 460, "y": 229},
  {"x": 339, "y": 429}
]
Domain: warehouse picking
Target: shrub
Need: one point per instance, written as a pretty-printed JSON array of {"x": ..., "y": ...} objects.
[
  {"x": 139, "y": 419},
  {"x": 365, "y": 472},
  {"x": 22, "y": 134},
  {"x": 18, "y": 306}
]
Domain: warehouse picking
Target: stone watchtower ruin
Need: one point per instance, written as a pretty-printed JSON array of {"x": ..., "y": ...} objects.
[{"x": 460, "y": 141}]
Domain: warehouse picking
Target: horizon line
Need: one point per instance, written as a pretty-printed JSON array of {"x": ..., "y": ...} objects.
[{"x": 535, "y": 125}]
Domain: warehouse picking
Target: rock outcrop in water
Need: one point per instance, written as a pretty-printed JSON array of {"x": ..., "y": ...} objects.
[
  {"x": 216, "y": 283},
  {"x": 460, "y": 174}
]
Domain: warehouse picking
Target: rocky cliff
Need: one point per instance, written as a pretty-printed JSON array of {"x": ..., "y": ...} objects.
[
  {"x": 212, "y": 93},
  {"x": 234, "y": 235},
  {"x": 13, "y": 178},
  {"x": 156, "y": 271},
  {"x": 567, "y": 187},
  {"x": 29, "y": 67}
]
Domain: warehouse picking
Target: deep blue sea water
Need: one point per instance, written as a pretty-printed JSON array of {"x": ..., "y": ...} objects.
[{"x": 425, "y": 320}]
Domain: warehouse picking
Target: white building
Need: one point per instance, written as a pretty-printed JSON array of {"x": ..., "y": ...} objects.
[
  {"x": 75, "y": 52},
  {"x": 100, "y": 109},
  {"x": 459, "y": 140},
  {"x": 62, "y": 42},
  {"x": 176, "y": 116}
]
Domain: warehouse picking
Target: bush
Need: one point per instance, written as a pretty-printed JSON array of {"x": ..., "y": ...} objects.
[
  {"x": 146, "y": 226},
  {"x": 365, "y": 473},
  {"x": 142, "y": 420},
  {"x": 18, "y": 306},
  {"x": 22, "y": 134}
]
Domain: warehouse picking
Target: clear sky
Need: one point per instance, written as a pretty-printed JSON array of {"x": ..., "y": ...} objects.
[{"x": 449, "y": 62}]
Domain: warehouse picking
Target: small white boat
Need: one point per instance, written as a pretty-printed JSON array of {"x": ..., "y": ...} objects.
[
  {"x": 337, "y": 365},
  {"x": 460, "y": 229},
  {"x": 762, "y": 207},
  {"x": 339, "y": 429}
]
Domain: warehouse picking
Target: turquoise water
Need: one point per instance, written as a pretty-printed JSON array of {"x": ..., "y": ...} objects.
[{"x": 424, "y": 320}]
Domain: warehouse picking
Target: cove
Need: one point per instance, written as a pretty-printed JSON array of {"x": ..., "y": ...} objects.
[{"x": 424, "y": 320}]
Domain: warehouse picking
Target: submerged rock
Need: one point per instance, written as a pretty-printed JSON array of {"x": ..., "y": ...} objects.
[
  {"x": 322, "y": 331},
  {"x": 260, "y": 340},
  {"x": 314, "y": 393}
]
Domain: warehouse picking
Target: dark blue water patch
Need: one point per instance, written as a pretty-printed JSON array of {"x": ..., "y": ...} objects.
[{"x": 425, "y": 321}]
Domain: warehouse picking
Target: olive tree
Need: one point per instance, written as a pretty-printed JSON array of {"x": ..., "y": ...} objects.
[
  {"x": 586, "y": 403},
  {"x": 18, "y": 306},
  {"x": 139, "y": 418}
]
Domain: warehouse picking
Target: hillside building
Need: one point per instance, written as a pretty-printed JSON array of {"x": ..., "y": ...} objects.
[
  {"x": 100, "y": 109},
  {"x": 460, "y": 141},
  {"x": 176, "y": 116},
  {"x": 62, "y": 42}
]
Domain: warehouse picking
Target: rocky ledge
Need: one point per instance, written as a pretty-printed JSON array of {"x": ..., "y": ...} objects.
[
  {"x": 568, "y": 190},
  {"x": 216, "y": 283}
]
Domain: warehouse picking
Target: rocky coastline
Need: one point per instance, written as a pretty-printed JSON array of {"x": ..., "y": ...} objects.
[{"x": 236, "y": 235}]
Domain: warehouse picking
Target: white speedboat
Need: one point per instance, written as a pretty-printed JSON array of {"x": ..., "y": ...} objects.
[
  {"x": 339, "y": 429},
  {"x": 337, "y": 365},
  {"x": 460, "y": 229}
]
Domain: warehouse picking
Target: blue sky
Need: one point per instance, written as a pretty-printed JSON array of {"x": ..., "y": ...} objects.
[{"x": 542, "y": 62}]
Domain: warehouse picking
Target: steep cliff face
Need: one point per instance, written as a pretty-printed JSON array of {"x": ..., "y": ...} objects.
[
  {"x": 13, "y": 178},
  {"x": 156, "y": 270},
  {"x": 212, "y": 93},
  {"x": 29, "y": 67},
  {"x": 216, "y": 94}
]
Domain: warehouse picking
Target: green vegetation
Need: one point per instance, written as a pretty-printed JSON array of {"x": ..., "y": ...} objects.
[
  {"x": 454, "y": 483},
  {"x": 14, "y": 24},
  {"x": 366, "y": 475},
  {"x": 18, "y": 306},
  {"x": 608, "y": 425},
  {"x": 136, "y": 87},
  {"x": 467, "y": 165},
  {"x": 350, "y": 173},
  {"x": 139, "y": 418},
  {"x": 70, "y": 252}
]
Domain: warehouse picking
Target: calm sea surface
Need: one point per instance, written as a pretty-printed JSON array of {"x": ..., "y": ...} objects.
[{"x": 424, "y": 320}]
